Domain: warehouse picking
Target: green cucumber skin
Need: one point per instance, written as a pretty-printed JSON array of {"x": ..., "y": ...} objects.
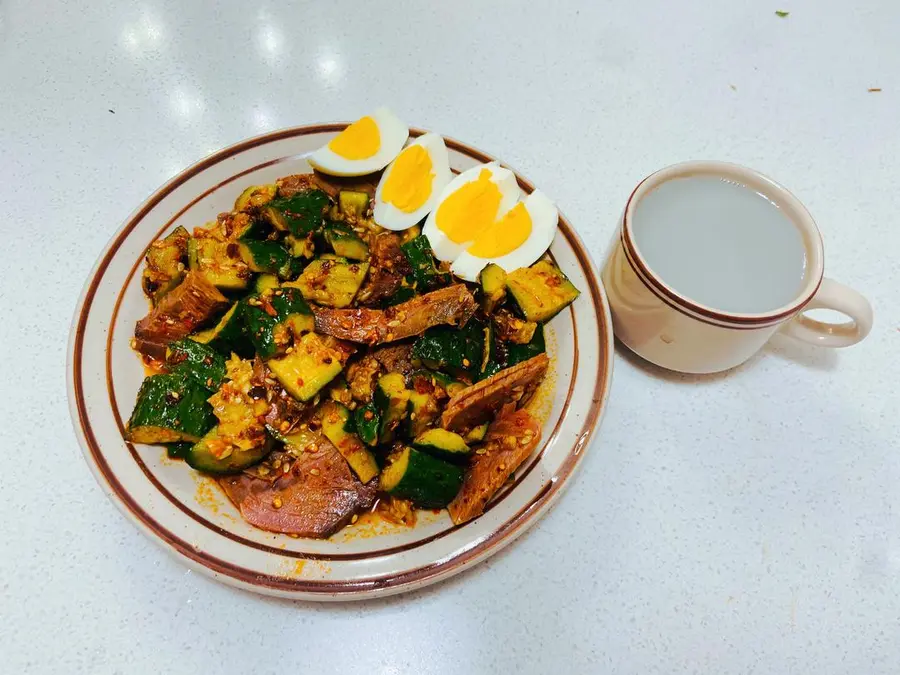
[
  {"x": 261, "y": 331},
  {"x": 522, "y": 314},
  {"x": 268, "y": 257},
  {"x": 442, "y": 454},
  {"x": 345, "y": 242},
  {"x": 442, "y": 444},
  {"x": 197, "y": 458},
  {"x": 198, "y": 361},
  {"x": 493, "y": 361},
  {"x": 403, "y": 294},
  {"x": 178, "y": 450},
  {"x": 421, "y": 259},
  {"x": 302, "y": 212},
  {"x": 382, "y": 403},
  {"x": 189, "y": 413},
  {"x": 233, "y": 336},
  {"x": 390, "y": 418},
  {"x": 256, "y": 231},
  {"x": 409, "y": 426},
  {"x": 290, "y": 301},
  {"x": 518, "y": 353},
  {"x": 260, "y": 326},
  {"x": 429, "y": 483},
  {"x": 440, "y": 378},
  {"x": 367, "y": 430},
  {"x": 449, "y": 347}
]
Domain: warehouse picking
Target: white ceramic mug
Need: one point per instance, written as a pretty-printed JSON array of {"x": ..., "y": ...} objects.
[{"x": 665, "y": 327}]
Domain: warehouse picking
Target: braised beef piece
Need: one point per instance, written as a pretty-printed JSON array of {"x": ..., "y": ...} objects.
[
  {"x": 510, "y": 439},
  {"x": 477, "y": 404},
  {"x": 317, "y": 496},
  {"x": 396, "y": 358},
  {"x": 453, "y": 305},
  {"x": 178, "y": 314},
  {"x": 389, "y": 265}
]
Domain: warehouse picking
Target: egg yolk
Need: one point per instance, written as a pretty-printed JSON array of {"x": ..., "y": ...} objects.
[
  {"x": 360, "y": 140},
  {"x": 408, "y": 184},
  {"x": 504, "y": 236},
  {"x": 470, "y": 209}
]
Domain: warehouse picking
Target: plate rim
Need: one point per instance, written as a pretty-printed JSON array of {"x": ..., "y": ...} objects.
[{"x": 404, "y": 580}]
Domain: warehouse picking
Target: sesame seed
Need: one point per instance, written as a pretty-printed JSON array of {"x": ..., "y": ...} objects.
[
  {"x": 503, "y": 467},
  {"x": 277, "y": 464},
  {"x": 354, "y": 519},
  {"x": 466, "y": 363},
  {"x": 284, "y": 426},
  {"x": 209, "y": 381},
  {"x": 481, "y": 451},
  {"x": 175, "y": 395},
  {"x": 314, "y": 472},
  {"x": 277, "y": 503},
  {"x": 286, "y": 468},
  {"x": 289, "y": 350}
]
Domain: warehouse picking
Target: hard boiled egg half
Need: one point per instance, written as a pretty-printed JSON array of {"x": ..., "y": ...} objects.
[
  {"x": 412, "y": 183},
  {"x": 468, "y": 206},
  {"x": 516, "y": 239},
  {"x": 367, "y": 145}
]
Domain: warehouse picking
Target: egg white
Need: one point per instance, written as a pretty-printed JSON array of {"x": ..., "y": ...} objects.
[
  {"x": 544, "y": 222},
  {"x": 393, "y": 134},
  {"x": 442, "y": 246},
  {"x": 389, "y": 216}
]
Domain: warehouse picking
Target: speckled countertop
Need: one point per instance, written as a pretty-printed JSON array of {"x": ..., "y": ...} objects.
[{"x": 748, "y": 522}]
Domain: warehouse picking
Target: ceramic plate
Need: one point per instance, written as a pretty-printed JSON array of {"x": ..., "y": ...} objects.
[{"x": 188, "y": 514}]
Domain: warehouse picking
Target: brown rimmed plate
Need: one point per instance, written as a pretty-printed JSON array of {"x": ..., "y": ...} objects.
[{"x": 188, "y": 515}]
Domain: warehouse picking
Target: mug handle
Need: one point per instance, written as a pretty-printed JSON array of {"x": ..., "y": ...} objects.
[{"x": 832, "y": 295}]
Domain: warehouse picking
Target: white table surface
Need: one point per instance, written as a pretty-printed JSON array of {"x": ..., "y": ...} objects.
[{"x": 748, "y": 522}]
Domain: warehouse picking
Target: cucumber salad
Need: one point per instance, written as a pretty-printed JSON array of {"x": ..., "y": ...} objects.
[{"x": 363, "y": 336}]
